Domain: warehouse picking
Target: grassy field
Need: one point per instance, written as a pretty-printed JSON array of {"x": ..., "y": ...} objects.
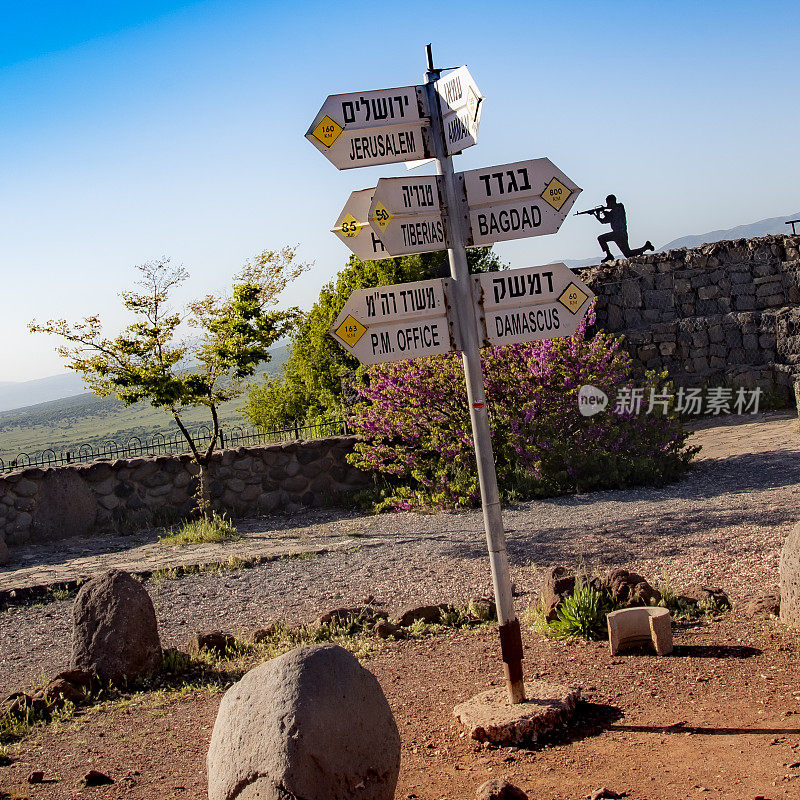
[{"x": 87, "y": 419}]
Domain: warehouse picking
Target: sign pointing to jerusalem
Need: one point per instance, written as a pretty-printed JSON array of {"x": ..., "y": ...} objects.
[
  {"x": 407, "y": 215},
  {"x": 362, "y": 129},
  {"x": 514, "y": 201},
  {"x": 395, "y": 323},
  {"x": 352, "y": 227},
  {"x": 461, "y": 103},
  {"x": 524, "y": 305}
]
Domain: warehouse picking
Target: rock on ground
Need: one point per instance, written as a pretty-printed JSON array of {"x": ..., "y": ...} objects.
[
  {"x": 500, "y": 789},
  {"x": 790, "y": 579},
  {"x": 115, "y": 633},
  {"x": 311, "y": 724}
]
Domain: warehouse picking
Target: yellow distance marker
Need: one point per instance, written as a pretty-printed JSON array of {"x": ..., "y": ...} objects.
[
  {"x": 327, "y": 132},
  {"x": 350, "y": 331},
  {"x": 572, "y": 298},
  {"x": 556, "y": 194}
]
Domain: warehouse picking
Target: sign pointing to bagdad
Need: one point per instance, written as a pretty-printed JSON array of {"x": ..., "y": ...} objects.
[
  {"x": 524, "y": 305},
  {"x": 362, "y": 129},
  {"x": 352, "y": 227},
  {"x": 394, "y": 323},
  {"x": 510, "y": 201},
  {"x": 514, "y": 201}
]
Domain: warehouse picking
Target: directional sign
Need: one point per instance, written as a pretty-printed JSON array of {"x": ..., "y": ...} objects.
[
  {"x": 394, "y": 323},
  {"x": 368, "y": 128},
  {"x": 407, "y": 215},
  {"x": 352, "y": 227},
  {"x": 523, "y": 305},
  {"x": 461, "y": 103},
  {"x": 514, "y": 201}
]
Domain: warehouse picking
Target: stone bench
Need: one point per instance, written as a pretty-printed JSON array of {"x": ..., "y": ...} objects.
[{"x": 630, "y": 627}]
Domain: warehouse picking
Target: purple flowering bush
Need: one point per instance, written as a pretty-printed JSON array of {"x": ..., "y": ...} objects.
[{"x": 415, "y": 428}]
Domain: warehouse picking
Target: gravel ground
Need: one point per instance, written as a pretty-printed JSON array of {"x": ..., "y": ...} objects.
[{"x": 722, "y": 524}]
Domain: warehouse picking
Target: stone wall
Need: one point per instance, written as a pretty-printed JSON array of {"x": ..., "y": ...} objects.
[
  {"x": 721, "y": 313},
  {"x": 38, "y": 505}
]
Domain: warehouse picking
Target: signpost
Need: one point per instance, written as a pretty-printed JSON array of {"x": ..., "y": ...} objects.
[
  {"x": 413, "y": 215},
  {"x": 461, "y": 104},
  {"x": 523, "y": 305},
  {"x": 407, "y": 215},
  {"x": 514, "y": 201},
  {"x": 362, "y": 129},
  {"x": 394, "y": 323},
  {"x": 353, "y": 228}
]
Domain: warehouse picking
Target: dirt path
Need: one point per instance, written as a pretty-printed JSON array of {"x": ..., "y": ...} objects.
[{"x": 718, "y": 719}]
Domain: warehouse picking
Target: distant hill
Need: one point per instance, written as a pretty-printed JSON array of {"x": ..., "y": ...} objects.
[
  {"x": 19, "y": 395},
  {"x": 764, "y": 227},
  {"x": 67, "y": 422},
  {"x": 29, "y": 393}
]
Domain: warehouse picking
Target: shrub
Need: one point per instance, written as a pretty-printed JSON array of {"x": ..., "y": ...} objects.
[
  {"x": 216, "y": 528},
  {"x": 416, "y": 431},
  {"x": 581, "y": 614}
]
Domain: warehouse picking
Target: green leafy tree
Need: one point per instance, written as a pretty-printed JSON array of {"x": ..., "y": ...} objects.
[
  {"x": 150, "y": 361},
  {"x": 310, "y": 385}
]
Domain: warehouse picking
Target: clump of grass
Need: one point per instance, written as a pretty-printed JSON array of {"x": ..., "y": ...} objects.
[
  {"x": 216, "y": 528},
  {"x": 582, "y": 614}
]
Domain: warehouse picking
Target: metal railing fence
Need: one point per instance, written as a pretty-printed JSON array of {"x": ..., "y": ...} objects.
[{"x": 173, "y": 444}]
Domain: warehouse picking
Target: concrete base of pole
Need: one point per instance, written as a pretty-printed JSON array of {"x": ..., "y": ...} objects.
[{"x": 490, "y": 717}]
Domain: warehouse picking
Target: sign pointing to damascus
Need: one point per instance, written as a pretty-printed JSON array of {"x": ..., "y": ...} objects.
[
  {"x": 523, "y": 305},
  {"x": 362, "y": 129},
  {"x": 394, "y": 323}
]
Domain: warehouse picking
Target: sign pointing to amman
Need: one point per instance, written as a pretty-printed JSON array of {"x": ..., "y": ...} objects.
[
  {"x": 362, "y": 129},
  {"x": 461, "y": 103}
]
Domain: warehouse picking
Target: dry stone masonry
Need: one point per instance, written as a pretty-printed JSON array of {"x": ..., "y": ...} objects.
[
  {"x": 721, "y": 313},
  {"x": 38, "y": 505}
]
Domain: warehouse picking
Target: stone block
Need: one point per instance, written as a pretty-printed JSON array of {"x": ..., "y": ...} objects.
[
  {"x": 295, "y": 484},
  {"x": 489, "y": 717},
  {"x": 789, "y": 572},
  {"x": 632, "y": 627},
  {"x": 708, "y": 292},
  {"x": 26, "y": 488},
  {"x": 235, "y": 485},
  {"x": 65, "y": 507}
]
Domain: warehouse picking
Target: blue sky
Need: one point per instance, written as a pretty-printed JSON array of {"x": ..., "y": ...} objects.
[{"x": 129, "y": 131}]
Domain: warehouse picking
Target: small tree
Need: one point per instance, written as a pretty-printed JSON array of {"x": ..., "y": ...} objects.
[{"x": 149, "y": 360}]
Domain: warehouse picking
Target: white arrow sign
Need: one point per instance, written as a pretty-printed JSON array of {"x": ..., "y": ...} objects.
[
  {"x": 362, "y": 129},
  {"x": 514, "y": 201},
  {"x": 523, "y": 305},
  {"x": 461, "y": 103},
  {"x": 407, "y": 215},
  {"x": 394, "y": 323},
  {"x": 352, "y": 227}
]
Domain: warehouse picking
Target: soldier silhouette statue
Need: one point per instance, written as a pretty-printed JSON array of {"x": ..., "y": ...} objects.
[{"x": 613, "y": 213}]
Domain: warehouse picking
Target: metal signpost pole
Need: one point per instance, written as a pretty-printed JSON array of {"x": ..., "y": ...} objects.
[{"x": 510, "y": 638}]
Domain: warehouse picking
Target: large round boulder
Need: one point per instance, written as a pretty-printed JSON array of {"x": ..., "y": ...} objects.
[
  {"x": 311, "y": 724},
  {"x": 115, "y": 633}
]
